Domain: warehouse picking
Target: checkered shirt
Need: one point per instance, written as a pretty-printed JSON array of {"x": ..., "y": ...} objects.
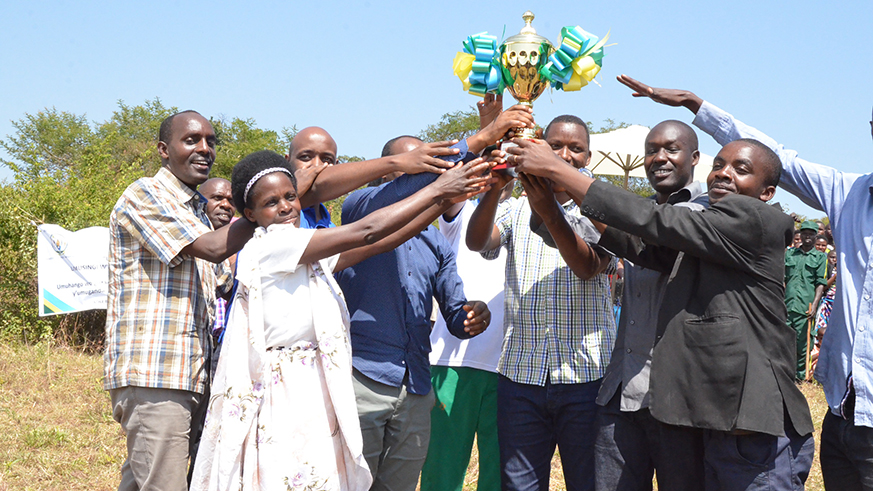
[
  {"x": 558, "y": 327},
  {"x": 160, "y": 307}
]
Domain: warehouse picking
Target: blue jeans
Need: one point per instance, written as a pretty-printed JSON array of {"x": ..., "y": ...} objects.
[
  {"x": 632, "y": 445},
  {"x": 532, "y": 420},
  {"x": 757, "y": 461},
  {"x": 846, "y": 454}
]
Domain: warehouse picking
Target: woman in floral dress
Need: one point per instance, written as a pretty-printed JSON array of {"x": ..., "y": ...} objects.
[{"x": 282, "y": 414}]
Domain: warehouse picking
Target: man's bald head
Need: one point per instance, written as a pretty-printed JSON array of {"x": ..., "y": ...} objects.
[
  {"x": 401, "y": 144},
  {"x": 311, "y": 146}
]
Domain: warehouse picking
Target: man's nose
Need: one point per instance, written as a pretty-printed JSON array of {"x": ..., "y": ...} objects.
[
  {"x": 564, "y": 153},
  {"x": 203, "y": 146},
  {"x": 660, "y": 155}
]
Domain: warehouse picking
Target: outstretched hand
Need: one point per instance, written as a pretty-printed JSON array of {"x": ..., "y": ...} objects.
[
  {"x": 669, "y": 97},
  {"x": 305, "y": 177},
  {"x": 489, "y": 108},
  {"x": 478, "y": 317},
  {"x": 534, "y": 157},
  {"x": 424, "y": 158},
  {"x": 465, "y": 180}
]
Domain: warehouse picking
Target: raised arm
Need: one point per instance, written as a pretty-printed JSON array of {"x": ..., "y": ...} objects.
[
  {"x": 585, "y": 262},
  {"x": 218, "y": 245},
  {"x": 369, "y": 230},
  {"x": 482, "y": 234},
  {"x": 422, "y": 220},
  {"x": 337, "y": 180},
  {"x": 821, "y": 187}
]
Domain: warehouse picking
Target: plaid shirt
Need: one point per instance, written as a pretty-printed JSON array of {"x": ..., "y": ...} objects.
[
  {"x": 558, "y": 327},
  {"x": 160, "y": 307}
]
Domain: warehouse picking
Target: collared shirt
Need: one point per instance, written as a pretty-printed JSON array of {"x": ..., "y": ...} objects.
[
  {"x": 631, "y": 362},
  {"x": 847, "y": 349},
  {"x": 804, "y": 271},
  {"x": 308, "y": 217},
  {"x": 160, "y": 306},
  {"x": 390, "y": 295},
  {"x": 558, "y": 327}
]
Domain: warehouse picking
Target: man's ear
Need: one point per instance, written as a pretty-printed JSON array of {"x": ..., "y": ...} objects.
[
  {"x": 162, "y": 151},
  {"x": 768, "y": 193},
  {"x": 695, "y": 157}
]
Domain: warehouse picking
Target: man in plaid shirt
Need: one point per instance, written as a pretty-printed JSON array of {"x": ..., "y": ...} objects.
[
  {"x": 162, "y": 287},
  {"x": 558, "y": 321}
]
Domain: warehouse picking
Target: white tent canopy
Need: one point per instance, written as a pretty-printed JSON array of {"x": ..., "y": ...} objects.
[{"x": 621, "y": 153}]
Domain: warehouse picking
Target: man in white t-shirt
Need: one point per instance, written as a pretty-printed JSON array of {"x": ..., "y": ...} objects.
[{"x": 464, "y": 372}]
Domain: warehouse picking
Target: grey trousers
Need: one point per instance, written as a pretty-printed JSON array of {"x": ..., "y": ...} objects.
[
  {"x": 395, "y": 426},
  {"x": 160, "y": 435}
]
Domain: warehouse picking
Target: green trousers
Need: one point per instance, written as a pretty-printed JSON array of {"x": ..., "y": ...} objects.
[
  {"x": 465, "y": 405},
  {"x": 797, "y": 321}
]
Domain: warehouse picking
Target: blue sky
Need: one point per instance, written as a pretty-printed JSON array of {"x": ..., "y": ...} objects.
[{"x": 369, "y": 71}]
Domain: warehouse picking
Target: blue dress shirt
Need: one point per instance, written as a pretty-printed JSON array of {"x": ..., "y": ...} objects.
[
  {"x": 389, "y": 295},
  {"x": 847, "y": 349}
]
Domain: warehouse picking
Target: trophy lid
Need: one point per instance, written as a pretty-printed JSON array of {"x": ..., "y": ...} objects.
[{"x": 527, "y": 34}]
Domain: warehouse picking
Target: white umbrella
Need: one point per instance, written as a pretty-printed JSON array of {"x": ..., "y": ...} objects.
[{"x": 621, "y": 153}]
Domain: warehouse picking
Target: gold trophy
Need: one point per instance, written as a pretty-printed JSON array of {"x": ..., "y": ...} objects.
[{"x": 522, "y": 59}]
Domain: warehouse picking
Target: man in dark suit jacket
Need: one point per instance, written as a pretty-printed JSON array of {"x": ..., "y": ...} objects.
[{"x": 724, "y": 359}]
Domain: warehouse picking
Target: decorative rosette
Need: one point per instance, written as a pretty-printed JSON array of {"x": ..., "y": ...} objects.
[
  {"x": 576, "y": 61},
  {"x": 478, "y": 66}
]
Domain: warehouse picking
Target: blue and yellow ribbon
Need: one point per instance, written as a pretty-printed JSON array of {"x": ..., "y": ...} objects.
[
  {"x": 576, "y": 61},
  {"x": 478, "y": 66}
]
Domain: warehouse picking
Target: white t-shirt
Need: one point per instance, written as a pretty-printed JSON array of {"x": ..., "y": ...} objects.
[
  {"x": 483, "y": 280},
  {"x": 286, "y": 285}
]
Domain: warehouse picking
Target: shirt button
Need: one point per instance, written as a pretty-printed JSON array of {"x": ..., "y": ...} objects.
[
  {"x": 409, "y": 273},
  {"x": 857, "y": 360},
  {"x": 638, "y": 294},
  {"x": 629, "y": 350},
  {"x": 867, "y": 297},
  {"x": 403, "y": 362},
  {"x": 633, "y": 322},
  {"x": 861, "y": 328}
]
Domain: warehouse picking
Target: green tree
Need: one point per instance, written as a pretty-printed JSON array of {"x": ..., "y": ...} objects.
[
  {"x": 452, "y": 126},
  {"x": 237, "y": 138}
]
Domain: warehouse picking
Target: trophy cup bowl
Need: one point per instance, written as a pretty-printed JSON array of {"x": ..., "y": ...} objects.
[{"x": 522, "y": 57}]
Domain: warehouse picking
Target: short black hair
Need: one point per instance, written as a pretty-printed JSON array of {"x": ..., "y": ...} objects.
[
  {"x": 772, "y": 165},
  {"x": 388, "y": 148},
  {"x": 684, "y": 128},
  {"x": 164, "y": 132},
  {"x": 568, "y": 118},
  {"x": 248, "y": 167}
]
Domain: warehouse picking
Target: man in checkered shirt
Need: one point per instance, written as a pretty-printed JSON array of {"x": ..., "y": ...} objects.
[
  {"x": 162, "y": 287},
  {"x": 558, "y": 320}
]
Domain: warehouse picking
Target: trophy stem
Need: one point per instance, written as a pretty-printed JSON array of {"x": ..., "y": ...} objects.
[{"x": 526, "y": 133}]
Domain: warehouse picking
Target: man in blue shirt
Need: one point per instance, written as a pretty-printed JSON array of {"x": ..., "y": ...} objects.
[
  {"x": 845, "y": 364},
  {"x": 390, "y": 302}
]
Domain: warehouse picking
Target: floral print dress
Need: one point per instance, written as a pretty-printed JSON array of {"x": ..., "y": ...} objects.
[{"x": 282, "y": 413}]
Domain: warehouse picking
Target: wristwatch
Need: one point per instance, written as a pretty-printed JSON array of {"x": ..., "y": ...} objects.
[{"x": 586, "y": 172}]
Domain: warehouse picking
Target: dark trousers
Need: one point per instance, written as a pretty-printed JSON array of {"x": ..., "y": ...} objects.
[
  {"x": 846, "y": 454},
  {"x": 532, "y": 420},
  {"x": 632, "y": 445},
  {"x": 757, "y": 461}
]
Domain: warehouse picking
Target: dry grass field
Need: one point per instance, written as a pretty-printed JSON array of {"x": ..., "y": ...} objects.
[{"x": 57, "y": 433}]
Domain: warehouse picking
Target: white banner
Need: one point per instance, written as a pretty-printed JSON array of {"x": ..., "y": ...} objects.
[{"x": 73, "y": 269}]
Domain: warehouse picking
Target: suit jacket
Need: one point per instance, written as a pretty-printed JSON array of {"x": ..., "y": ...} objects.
[{"x": 724, "y": 356}]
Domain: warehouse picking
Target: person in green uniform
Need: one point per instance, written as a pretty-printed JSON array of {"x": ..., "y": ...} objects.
[{"x": 804, "y": 284}]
